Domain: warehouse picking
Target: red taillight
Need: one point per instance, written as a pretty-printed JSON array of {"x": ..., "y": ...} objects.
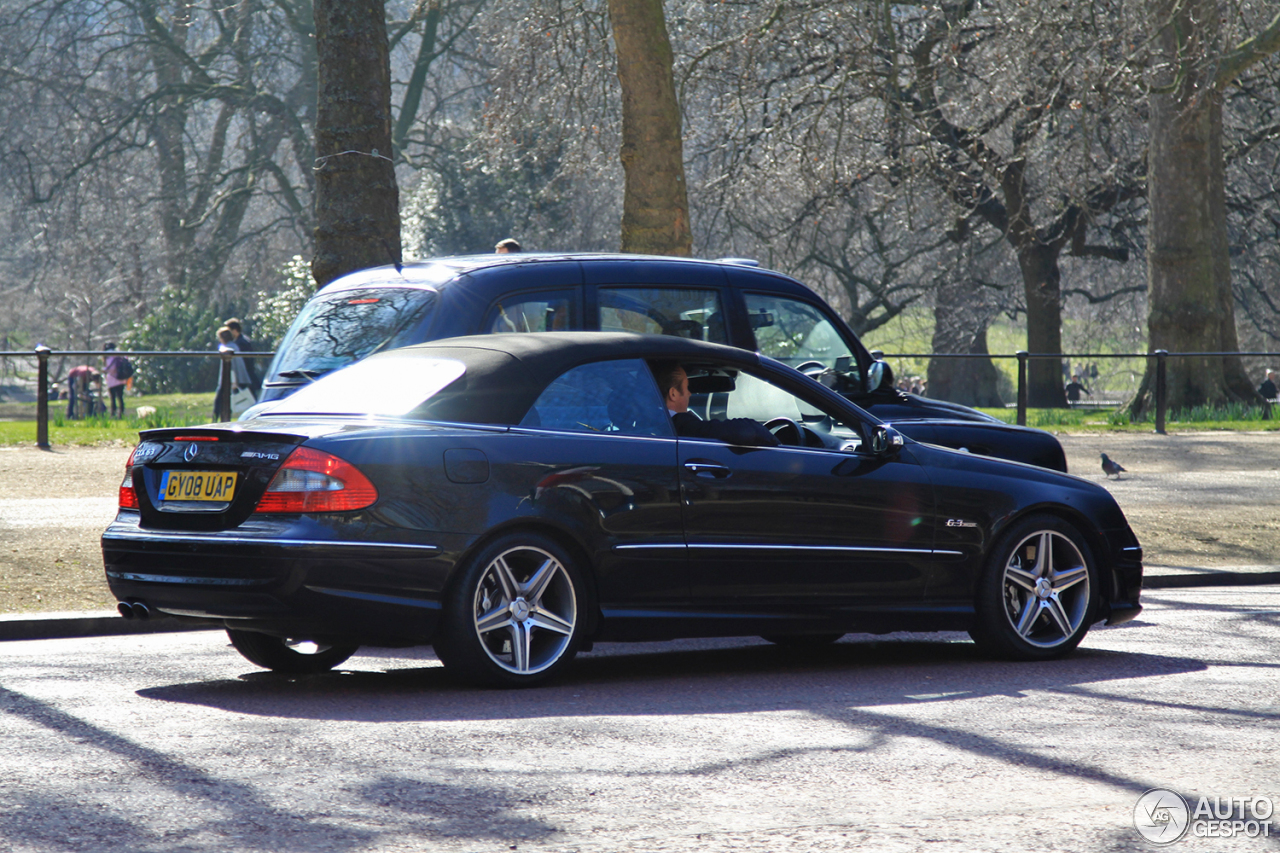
[
  {"x": 312, "y": 481},
  {"x": 128, "y": 497}
]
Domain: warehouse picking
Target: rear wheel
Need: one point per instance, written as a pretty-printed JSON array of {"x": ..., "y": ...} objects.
[
  {"x": 289, "y": 655},
  {"x": 514, "y": 618},
  {"x": 1039, "y": 594}
]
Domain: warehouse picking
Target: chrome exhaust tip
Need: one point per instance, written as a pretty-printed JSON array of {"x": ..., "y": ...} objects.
[{"x": 134, "y": 610}]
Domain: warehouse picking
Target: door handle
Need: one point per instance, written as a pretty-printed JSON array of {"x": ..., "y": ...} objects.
[{"x": 707, "y": 470}]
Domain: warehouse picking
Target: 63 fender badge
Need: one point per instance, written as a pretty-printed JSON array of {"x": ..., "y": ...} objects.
[{"x": 960, "y": 522}]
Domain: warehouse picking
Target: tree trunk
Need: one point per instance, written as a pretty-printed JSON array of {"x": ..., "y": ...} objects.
[
  {"x": 1042, "y": 285},
  {"x": 959, "y": 328},
  {"x": 1188, "y": 262},
  {"x": 655, "y": 208},
  {"x": 357, "y": 200},
  {"x": 169, "y": 134}
]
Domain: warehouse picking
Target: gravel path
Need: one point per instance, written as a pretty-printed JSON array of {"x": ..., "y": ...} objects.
[{"x": 1195, "y": 500}]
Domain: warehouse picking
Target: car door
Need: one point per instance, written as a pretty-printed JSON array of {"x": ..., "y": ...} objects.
[
  {"x": 603, "y": 462},
  {"x": 830, "y": 525}
]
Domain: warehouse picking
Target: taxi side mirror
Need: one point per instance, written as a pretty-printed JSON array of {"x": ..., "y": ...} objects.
[{"x": 879, "y": 376}]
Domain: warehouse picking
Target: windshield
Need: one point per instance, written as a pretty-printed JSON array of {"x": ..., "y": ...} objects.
[
  {"x": 336, "y": 329},
  {"x": 801, "y": 336},
  {"x": 391, "y": 386}
]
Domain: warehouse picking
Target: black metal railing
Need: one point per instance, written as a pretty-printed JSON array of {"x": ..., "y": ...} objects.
[
  {"x": 42, "y": 354},
  {"x": 1160, "y": 357}
]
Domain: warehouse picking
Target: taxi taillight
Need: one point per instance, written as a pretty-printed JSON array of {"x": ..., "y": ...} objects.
[
  {"x": 314, "y": 481},
  {"x": 128, "y": 497}
]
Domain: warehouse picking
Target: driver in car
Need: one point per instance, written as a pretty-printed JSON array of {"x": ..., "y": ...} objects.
[{"x": 673, "y": 382}]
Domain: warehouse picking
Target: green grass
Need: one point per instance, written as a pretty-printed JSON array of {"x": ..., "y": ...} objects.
[
  {"x": 191, "y": 409},
  {"x": 1234, "y": 417},
  {"x": 912, "y": 331},
  {"x": 19, "y": 424}
]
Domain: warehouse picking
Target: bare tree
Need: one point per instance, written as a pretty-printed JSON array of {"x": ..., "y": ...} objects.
[
  {"x": 655, "y": 210},
  {"x": 185, "y": 127},
  {"x": 1189, "y": 265},
  {"x": 357, "y": 197}
]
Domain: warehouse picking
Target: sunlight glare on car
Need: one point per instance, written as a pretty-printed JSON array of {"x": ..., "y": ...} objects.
[{"x": 389, "y": 386}]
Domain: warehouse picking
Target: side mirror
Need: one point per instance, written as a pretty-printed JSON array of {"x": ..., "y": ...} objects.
[
  {"x": 885, "y": 439},
  {"x": 879, "y": 376}
]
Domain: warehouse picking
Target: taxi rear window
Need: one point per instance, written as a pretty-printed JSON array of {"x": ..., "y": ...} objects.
[{"x": 334, "y": 330}]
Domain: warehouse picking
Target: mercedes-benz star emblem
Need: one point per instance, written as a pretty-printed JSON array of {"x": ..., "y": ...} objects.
[{"x": 191, "y": 451}]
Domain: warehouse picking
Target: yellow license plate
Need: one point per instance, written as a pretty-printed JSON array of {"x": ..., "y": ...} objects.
[{"x": 198, "y": 486}]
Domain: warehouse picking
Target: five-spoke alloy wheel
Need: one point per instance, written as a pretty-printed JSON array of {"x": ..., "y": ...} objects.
[
  {"x": 1038, "y": 596},
  {"x": 515, "y": 616}
]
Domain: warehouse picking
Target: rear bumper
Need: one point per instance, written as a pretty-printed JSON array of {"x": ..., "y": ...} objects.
[{"x": 281, "y": 577}]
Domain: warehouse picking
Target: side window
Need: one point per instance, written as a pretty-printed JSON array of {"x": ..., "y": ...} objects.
[
  {"x": 687, "y": 313},
  {"x": 606, "y": 396},
  {"x": 532, "y": 312},
  {"x": 763, "y": 401},
  {"x": 797, "y": 333}
]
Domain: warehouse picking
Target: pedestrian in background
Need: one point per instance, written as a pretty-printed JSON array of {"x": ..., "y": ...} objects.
[
  {"x": 507, "y": 247},
  {"x": 1268, "y": 387},
  {"x": 115, "y": 381},
  {"x": 78, "y": 389},
  {"x": 239, "y": 375},
  {"x": 243, "y": 344},
  {"x": 1073, "y": 389}
]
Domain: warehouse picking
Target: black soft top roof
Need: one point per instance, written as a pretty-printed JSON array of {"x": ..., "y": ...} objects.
[{"x": 506, "y": 373}]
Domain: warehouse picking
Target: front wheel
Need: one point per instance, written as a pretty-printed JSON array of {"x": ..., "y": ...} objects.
[
  {"x": 282, "y": 654},
  {"x": 1039, "y": 594},
  {"x": 515, "y": 616}
]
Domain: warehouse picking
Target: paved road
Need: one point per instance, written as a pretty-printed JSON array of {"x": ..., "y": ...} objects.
[{"x": 173, "y": 743}]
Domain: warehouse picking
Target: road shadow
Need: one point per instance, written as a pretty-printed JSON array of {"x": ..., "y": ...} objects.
[{"x": 686, "y": 677}]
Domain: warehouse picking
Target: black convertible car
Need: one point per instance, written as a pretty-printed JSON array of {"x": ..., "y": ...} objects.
[{"x": 511, "y": 499}]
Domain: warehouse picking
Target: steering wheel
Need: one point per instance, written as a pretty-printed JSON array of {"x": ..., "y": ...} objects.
[
  {"x": 811, "y": 368},
  {"x": 786, "y": 431}
]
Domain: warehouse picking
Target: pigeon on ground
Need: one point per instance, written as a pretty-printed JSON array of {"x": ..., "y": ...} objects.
[{"x": 1111, "y": 468}]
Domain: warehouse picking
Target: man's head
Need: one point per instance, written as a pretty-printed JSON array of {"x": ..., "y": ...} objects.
[
  {"x": 234, "y": 325},
  {"x": 507, "y": 247},
  {"x": 225, "y": 335},
  {"x": 673, "y": 382}
]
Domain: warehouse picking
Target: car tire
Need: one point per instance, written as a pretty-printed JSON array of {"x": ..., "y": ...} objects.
[
  {"x": 802, "y": 641},
  {"x": 287, "y": 655},
  {"x": 515, "y": 616},
  {"x": 1039, "y": 593}
]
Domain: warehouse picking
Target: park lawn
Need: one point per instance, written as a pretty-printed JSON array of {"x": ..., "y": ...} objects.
[
  {"x": 18, "y": 425},
  {"x": 19, "y": 420},
  {"x": 1107, "y": 420}
]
